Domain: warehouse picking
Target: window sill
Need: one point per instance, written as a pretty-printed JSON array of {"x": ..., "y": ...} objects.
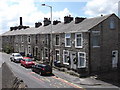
[
  {"x": 78, "y": 46},
  {"x": 82, "y": 67},
  {"x": 66, "y": 63},
  {"x": 96, "y": 46},
  {"x": 57, "y": 45},
  {"x": 67, "y": 46}
]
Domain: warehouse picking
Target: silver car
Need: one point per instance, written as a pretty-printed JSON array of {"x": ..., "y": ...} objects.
[{"x": 16, "y": 57}]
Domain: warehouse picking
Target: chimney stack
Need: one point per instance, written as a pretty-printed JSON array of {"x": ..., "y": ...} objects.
[
  {"x": 79, "y": 19},
  {"x": 68, "y": 19},
  {"x": 38, "y": 24},
  {"x": 46, "y": 21},
  {"x": 56, "y": 22},
  {"x": 20, "y": 21}
]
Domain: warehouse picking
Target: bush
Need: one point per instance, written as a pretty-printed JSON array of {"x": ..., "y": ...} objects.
[{"x": 8, "y": 49}]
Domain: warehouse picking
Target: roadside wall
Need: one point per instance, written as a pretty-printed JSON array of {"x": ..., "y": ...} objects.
[{"x": 9, "y": 80}]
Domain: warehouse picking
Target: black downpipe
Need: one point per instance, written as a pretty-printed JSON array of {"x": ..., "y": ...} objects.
[
  {"x": 49, "y": 47},
  {"x": 89, "y": 62}
]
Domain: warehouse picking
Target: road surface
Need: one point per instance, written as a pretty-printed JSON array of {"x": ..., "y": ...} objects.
[
  {"x": 58, "y": 80},
  {"x": 34, "y": 80}
]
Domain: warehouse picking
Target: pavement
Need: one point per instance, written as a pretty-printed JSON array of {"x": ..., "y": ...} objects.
[
  {"x": 60, "y": 80},
  {"x": 89, "y": 82}
]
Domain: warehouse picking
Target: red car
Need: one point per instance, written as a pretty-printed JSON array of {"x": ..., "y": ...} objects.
[{"x": 27, "y": 62}]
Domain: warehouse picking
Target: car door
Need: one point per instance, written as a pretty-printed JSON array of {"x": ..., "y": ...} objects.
[
  {"x": 12, "y": 56},
  {"x": 23, "y": 62},
  {"x": 38, "y": 68},
  {"x": 35, "y": 68}
]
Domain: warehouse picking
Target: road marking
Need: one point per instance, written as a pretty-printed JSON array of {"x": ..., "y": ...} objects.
[
  {"x": 67, "y": 82},
  {"x": 30, "y": 73},
  {"x": 60, "y": 79}
]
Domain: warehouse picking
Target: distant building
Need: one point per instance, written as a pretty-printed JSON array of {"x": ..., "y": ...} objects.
[{"x": 86, "y": 45}]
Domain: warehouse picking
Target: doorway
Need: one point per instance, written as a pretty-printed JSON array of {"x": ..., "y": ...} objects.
[
  {"x": 115, "y": 59},
  {"x": 72, "y": 58}
]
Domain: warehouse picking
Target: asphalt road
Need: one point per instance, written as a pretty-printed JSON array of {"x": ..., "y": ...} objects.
[
  {"x": 34, "y": 80},
  {"x": 58, "y": 80}
]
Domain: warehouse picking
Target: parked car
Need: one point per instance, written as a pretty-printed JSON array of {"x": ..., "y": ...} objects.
[
  {"x": 27, "y": 62},
  {"x": 42, "y": 69},
  {"x": 57, "y": 63},
  {"x": 16, "y": 57}
]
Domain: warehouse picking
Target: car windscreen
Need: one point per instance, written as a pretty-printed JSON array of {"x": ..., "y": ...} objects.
[
  {"x": 17, "y": 55},
  {"x": 28, "y": 60},
  {"x": 47, "y": 67}
]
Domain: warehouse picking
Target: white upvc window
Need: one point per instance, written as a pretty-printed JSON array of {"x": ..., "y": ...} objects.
[
  {"x": 81, "y": 59},
  {"x": 16, "y": 39},
  {"x": 66, "y": 57},
  {"x": 29, "y": 39},
  {"x": 57, "y": 40},
  {"x": 96, "y": 38},
  {"x": 36, "y": 39},
  {"x": 67, "y": 40},
  {"x": 112, "y": 23},
  {"x": 22, "y": 38},
  {"x": 57, "y": 54},
  {"x": 46, "y": 39},
  {"x": 46, "y": 52},
  {"x": 78, "y": 40}
]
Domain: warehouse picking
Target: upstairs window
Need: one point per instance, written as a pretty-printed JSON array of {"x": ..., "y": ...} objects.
[
  {"x": 96, "y": 38},
  {"x": 36, "y": 39},
  {"x": 67, "y": 40},
  {"x": 112, "y": 23},
  {"x": 46, "y": 39},
  {"x": 29, "y": 40},
  {"x": 22, "y": 38},
  {"x": 57, "y": 40},
  {"x": 78, "y": 40}
]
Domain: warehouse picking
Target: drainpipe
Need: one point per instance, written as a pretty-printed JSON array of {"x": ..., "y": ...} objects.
[{"x": 89, "y": 62}]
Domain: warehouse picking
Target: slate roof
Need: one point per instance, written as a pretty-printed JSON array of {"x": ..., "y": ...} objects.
[{"x": 71, "y": 27}]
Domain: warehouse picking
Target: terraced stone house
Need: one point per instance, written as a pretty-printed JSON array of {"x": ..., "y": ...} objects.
[{"x": 84, "y": 44}]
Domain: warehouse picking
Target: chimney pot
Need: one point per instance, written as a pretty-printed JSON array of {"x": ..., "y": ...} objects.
[{"x": 20, "y": 21}]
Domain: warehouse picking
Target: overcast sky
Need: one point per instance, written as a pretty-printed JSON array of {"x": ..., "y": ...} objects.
[{"x": 32, "y": 11}]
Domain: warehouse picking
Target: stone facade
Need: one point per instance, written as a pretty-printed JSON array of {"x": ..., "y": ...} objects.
[{"x": 96, "y": 56}]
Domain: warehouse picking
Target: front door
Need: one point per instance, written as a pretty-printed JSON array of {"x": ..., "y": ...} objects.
[
  {"x": 114, "y": 58},
  {"x": 72, "y": 58}
]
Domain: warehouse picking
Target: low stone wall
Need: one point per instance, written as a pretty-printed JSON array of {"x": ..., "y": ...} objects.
[{"x": 9, "y": 80}]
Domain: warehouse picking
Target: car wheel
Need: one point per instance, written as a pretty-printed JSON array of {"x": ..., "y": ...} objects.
[
  {"x": 33, "y": 70},
  {"x": 40, "y": 73},
  {"x": 10, "y": 59},
  {"x": 14, "y": 60},
  {"x": 25, "y": 66}
]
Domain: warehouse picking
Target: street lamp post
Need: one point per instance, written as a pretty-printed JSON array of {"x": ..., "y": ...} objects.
[{"x": 51, "y": 51}]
